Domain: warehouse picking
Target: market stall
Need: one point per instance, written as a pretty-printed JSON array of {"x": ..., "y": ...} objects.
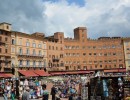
[
  {"x": 126, "y": 86},
  {"x": 7, "y": 83},
  {"x": 106, "y": 88}
]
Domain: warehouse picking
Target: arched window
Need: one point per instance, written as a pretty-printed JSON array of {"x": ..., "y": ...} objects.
[
  {"x": 44, "y": 63},
  {"x": 20, "y": 51},
  {"x": 67, "y": 67},
  {"x": 28, "y": 63},
  {"x": 13, "y": 41},
  {"x": 20, "y": 63},
  {"x": 34, "y": 63},
  {"x": 40, "y": 64},
  {"x": 13, "y": 62},
  {"x": 27, "y": 51},
  {"x": 34, "y": 52},
  {"x": 78, "y": 67}
]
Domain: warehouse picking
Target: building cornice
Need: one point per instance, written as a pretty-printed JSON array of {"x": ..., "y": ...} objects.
[{"x": 30, "y": 35}]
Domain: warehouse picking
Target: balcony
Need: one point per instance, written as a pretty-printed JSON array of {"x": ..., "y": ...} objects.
[
  {"x": 31, "y": 66},
  {"x": 5, "y": 60},
  {"x": 55, "y": 59},
  {"x": 7, "y": 69},
  {"x": 30, "y": 55},
  {"x": 8, "y": 60}
]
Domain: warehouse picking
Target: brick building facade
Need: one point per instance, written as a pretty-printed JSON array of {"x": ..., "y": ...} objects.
[
  {"x": 5, "y": 45},
  {"x": 57, "y": 53},
  {"x": 82, "y": 53},
  {"x": 127, "y": 52},
  {"x": 28, "y": 51}
]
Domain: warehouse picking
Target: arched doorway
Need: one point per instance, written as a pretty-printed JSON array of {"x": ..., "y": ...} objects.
[
  {"x": 67, "y": 67},
  {"x": 79, "y": 68}
]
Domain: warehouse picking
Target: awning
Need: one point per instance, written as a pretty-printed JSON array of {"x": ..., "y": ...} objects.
[
  {"x": 28, "y": 73},
  {"x": 122, "y": 70},
  {"x": 9, "y": 75},
  {"x": 111, "y": 71},
  {"x": 41, "y": 73},
  {"x": 78, "y": 72},
  {"x": 6, "y": 75},
  {"x": 58, "y": 73},
  {"x": 115, "y": 70}
]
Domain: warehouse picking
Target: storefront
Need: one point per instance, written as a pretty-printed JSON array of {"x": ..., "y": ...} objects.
[
  {"x": 108, "y": 88},
  {"x": 126, "y": 86}
]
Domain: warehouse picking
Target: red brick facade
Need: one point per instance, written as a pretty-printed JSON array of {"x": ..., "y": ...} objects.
[
  {"x": 62, "y": 54},
  {"x": 82, "y": 53},
  {"x": 55, "y": 52},
  {"x": 5, "y": 51}
]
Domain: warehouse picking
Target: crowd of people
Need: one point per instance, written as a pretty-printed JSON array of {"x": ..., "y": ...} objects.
[
  {"x": 8, "y": 89},
  {"x": 44, "y": 95},
  {"x": 68, "y": 88},
  {"x": 33, "y": 86},
  {"x": 27, "y": 89}
]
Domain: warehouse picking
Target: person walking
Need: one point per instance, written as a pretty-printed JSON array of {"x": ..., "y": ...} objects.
[
  {"x": 45, "y": 95},
  {"x": 71, "y": 97},
  {"x": 12, "y": 93},
  {"x": 53, "y": 92},
  {"x": 25, "y": 95},
  {"x": 5, "y": 94},
  {"x": 20, "y": 90}
]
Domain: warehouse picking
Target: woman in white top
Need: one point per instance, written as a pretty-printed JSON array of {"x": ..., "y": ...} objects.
[{"x": 20, "y": 91}]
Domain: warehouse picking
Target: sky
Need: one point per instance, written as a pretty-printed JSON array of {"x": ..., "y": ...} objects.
[{"x": 100, "y": 17}]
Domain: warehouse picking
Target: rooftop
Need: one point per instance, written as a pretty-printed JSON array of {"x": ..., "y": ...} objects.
[{"x": 5, "y": 23}]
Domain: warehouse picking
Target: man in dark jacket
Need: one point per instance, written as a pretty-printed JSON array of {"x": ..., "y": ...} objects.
[
  {"x": 25, "y": 95},
  {"x": 53, "y": 92},
  {"x": 45, "y": 95},
  {"x": 71, "y": 97}
]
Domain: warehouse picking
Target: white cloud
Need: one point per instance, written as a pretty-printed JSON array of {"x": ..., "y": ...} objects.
[{"x": 101, "y": 17}]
